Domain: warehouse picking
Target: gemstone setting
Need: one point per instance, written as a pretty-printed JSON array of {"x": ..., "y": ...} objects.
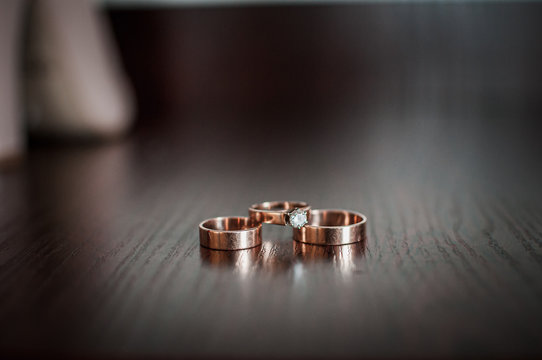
[{"x": 297, "y": 218}]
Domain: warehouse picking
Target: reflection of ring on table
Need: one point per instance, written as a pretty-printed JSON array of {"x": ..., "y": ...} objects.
[
  {"x": 314, "y": 253},
  {"x": 245, "y": 258},
  {"x": 293, "y": 213},
  {"x": 332, "y": 227},
  {"x": 230, "y": 233}
]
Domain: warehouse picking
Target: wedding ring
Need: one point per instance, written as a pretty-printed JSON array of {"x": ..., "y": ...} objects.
[
  {"x": 332, "y": 227},
  {"x": 230, "y": 233},
  {"x": 293, "y": 213}
]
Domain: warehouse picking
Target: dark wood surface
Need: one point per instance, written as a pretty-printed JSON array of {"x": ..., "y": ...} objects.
[{"x": 423, "y": 117}]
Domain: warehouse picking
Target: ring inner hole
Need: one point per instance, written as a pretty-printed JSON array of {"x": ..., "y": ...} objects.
[
  {"x": 230, "y": 224},
  {"x": 279, "y": 206},
  {"x": 333, "y": 218}
]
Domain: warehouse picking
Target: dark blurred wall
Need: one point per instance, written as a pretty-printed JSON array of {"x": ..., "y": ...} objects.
[{"x": 451, "y": 56}]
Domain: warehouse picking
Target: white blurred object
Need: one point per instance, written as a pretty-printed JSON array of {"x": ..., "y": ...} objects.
[
  {"x": 74, "y": 82},
  {"x": 11, "y": 139}
]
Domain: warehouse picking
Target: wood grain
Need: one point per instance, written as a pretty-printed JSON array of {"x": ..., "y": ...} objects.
[{"x": 99, "y": 249}]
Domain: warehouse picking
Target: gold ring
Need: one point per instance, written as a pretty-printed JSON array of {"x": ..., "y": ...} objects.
[
  {"x": 230, "y": 233},
  {"x": 332, "y": 227},
  {"x": 293, "y": 213}
]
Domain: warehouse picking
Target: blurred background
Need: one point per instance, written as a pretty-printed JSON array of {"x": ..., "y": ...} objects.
[
  {"x": 281, "y": 73},
  {"x": 125, "y": 123},
  {"x": 445, "y": 82}
]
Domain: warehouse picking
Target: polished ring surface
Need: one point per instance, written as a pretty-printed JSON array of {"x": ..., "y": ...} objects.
[
  {"x": 293, "y": 213},
  {"x": 332, "y": 227},
  {"x": 230, "y": 233}
]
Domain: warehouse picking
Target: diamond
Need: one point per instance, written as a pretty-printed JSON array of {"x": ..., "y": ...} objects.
[{"x": 297, "y": 218}]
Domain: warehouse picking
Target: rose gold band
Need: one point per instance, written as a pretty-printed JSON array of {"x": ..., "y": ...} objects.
[
  {"x": 332, "y": 227},
  {"x": 276, "y": 212},
  {"x": 230, "y": 233}
]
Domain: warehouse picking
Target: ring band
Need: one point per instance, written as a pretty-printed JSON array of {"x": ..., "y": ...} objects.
[
  {"x": 332, "y": 227},
  {"x": 230, "y": 233},
  {"x": 293, "y": 213}
]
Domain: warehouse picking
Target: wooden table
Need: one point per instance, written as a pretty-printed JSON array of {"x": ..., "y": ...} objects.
[{"x": 99, "y": 248}]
